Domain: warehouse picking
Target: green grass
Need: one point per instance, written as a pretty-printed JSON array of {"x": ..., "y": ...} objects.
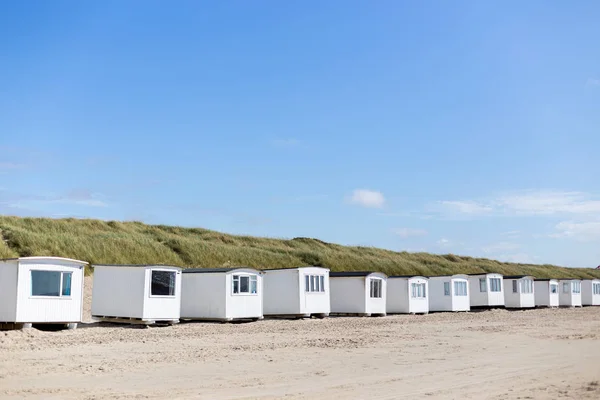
[{"x": 137, "y": 243}]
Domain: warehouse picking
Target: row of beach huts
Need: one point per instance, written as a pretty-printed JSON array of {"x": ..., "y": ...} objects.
[{"x": 49, "y": 290}]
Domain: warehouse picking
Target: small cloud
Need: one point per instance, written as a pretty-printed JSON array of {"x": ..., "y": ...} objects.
[
  {"x": 583, "y": 231},
  {"x": 367, "y": 198},
  {"x": 287, "y": 143},
  {"x": 593, "y": 82},
  {"x": 500, "y": 247},
  {"x": 511, "y": 234},
  {"x": 466, "y": 207},
  {"x": 443, "y": 242},
  {"x": 408, "y": 232}
]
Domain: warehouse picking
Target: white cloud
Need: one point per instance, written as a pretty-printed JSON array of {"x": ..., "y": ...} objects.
[
  {"x": 443, "y": 242},
  {"x": 500, "y": 247},
  {"x": 584, "y": 231},
  {"x": 527, "y": 203},
  {"x": 367, "y": 198},
  {"x": 466, "y": 207},
  {"x": 593, "y": 82},
  {"x": 549, "y": 202},
  {"x": 408, "y": 232},
  {"x": 10, "y": 166},
  {"x": 512, "y": 234}
]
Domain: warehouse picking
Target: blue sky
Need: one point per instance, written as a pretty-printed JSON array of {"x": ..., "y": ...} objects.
[{"x": 461, "y": 127}]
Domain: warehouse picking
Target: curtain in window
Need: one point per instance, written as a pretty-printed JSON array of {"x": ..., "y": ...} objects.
[{"x": 66, "y": 283}]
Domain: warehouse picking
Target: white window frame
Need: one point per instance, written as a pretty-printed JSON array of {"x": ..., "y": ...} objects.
[
  {"x": 576, "y": 287},
  {"x": 566, "y": 287},
  {"x": 168, "y": 296},
  {"x": 460, "y": 285},
  {"x": 447, "y": 289},
  {"x": 497, "y": 280},
  {"x": 60, "y": 290},
  {"x": 314, "y": 283},
  {"x": 595, "y": 288},
  {"x": 238, "y": 277},
  {"x": 418, "y": 290},
  {"x": 526, "y": 286},
  {"x": 376, "y": 288},
  {"x": 554, "y": 285},
  {"x": 515, "y": 286}
]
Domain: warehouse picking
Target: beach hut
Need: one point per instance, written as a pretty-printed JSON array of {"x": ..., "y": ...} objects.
[
  {"x": 519, "y": 291},
  {"x": 407, "y": 295},
  {"x": 296, "y": 292},
  {"x": 486, "y": 290},
  {"x": 137, "y": 294},
  {"x": 449, "y": 293},
  {"x": 222, "y": 294},
  {"x": 590, "y": 292},
  {"x": 569, "y": 293},
  {"x": 358, "y": 293},
  {"x": 41, "y": 290},
  {"x": 546, "y": 293}
]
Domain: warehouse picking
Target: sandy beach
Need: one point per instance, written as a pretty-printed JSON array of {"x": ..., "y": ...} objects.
[{"x": 497, "y": 354}]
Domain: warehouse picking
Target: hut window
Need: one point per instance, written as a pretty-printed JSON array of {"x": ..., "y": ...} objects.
[
  {"x": 418, "y": 290},
  {"x": 50, "y": 283},
  {"x": 245, "y": 284},
  {"x": 376, "y": 288},
  {"x": 163, "y": 283},
  {"x": 495, "y": 285},
  {"x": 526, "y": 286},
  {"x": 446, "y": 288},
  {"x": 596, "y": 287},
  {"x": 576, "y": 287},
  {"x": 565, "y": 287},
  {"x": 482, "y": 285},
  {"x": 515, "y": 286},
  {"x": 553, "y": 288},
  {"x": 314, "y": 283},
  {"x": 460, "y": 288}
]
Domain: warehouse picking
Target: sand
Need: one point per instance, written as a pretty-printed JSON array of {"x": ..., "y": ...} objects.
[{"x": 499, "y": 354}]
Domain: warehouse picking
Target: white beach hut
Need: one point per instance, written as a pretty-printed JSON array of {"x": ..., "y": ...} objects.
[
  {"x": 296, "y": 292},
  {"x": 223, "y": 294},
  {"x": 519, "y": 291},
  {"x": 407, "y": 295},
  {"x": 486, "y": 290},
  {"x": 449, "y": 293},
  {"x": 590, "y": 292},
  {"x": 41, "y": 290},
  {"x": 569, "y": 293},
  {"x": 360, "y": 293},
  {"x": 546, "y": 293},
  {"x": 144, "y": 294}
]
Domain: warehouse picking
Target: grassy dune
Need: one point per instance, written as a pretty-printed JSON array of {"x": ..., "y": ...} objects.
[{"x": 137, "y": 243}]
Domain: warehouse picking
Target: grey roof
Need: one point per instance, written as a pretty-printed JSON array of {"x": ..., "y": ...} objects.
[
  {"x": 214, "y": 270},
  {"x": 545, "y": 279},
  {"x": 351, "y": 273},
  {"x": 408, "y": 276},
  {"x": 516, "y": 276},
  {"x": 304, "y": 266},
  {"x": 446, "y": 276}
]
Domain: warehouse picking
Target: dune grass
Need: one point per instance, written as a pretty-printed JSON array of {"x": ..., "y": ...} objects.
[{"x": 113, "y": 242}]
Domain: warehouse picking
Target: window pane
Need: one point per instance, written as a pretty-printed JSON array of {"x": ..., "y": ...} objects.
[
  {"x": 424, "y": 290},
  {"x": 306, "y": 283},
  {"x": 244, "y": 284},
  {"x": 45, "y": 283},
  {"x": 322, "y": 283},
  {"x": 66, "y": 283},
  {"x": 515, "y": 286},
  {"x": 163, "y": 283},
  {"x": 446, "y": 288},
  {"x": 482, "y": 285},
  {"x": 236, "y": 284},
  {"x": 253, "y": 284},
  {"x": 317, "y": 284},
  {"x": 312, "y": 283}
]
